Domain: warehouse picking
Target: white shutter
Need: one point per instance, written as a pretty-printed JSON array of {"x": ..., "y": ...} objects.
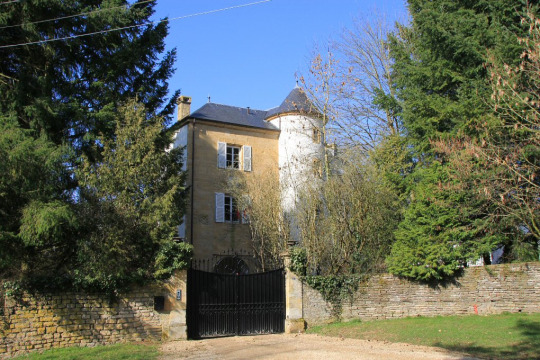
[
  {"x": 247, "y": 204},
  {"x": 182, "y": 228},
  {"x": 220, "y": 207},
  {"x": 247, "y": 157},
  {"x": 245, "y": 217},
  {"x": 222, "y": 155}
]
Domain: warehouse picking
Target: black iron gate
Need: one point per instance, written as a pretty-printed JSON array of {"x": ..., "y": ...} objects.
[{"x": 226, "y": 305}]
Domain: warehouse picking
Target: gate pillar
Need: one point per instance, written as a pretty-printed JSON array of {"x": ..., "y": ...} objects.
[
  {"x": 294, "y": 312},
  {"x": 175, "y": 328}
]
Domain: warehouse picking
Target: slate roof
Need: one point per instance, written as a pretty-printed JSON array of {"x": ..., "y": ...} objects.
[
  {"x": 233, "y": 115},
  {"x": 296, "y": 101}
]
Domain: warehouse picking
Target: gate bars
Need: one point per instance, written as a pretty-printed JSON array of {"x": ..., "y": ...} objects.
[{"x": 227, "y": 305}]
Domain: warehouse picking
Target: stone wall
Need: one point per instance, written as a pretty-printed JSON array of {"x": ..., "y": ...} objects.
[
  {"x": 483, "y": 290},
  {"x": 39, "y": 322}
]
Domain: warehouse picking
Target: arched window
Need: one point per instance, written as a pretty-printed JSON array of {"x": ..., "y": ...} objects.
[{"x": 231, "y": 265}]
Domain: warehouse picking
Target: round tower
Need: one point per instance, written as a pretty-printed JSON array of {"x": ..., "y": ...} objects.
[{"x": 301, "y": 147}]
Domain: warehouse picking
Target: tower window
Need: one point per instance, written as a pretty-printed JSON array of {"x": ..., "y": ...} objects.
[{"x": 317, "y": 136}]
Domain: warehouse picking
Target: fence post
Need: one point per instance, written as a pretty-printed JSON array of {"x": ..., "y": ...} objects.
[
  {"x": 294, "y": 312},
  {"x": 176, "y": 326}
]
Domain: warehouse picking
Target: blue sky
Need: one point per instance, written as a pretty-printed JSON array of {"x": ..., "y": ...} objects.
[{"x": 249, "y": 56}]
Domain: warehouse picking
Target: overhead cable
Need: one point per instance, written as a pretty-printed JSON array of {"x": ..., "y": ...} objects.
[
  {"x": 76, "y": 15},
  {"x": 133, "y": 26}
]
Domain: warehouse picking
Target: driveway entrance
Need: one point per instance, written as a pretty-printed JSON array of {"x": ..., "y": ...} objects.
[
  {"x": 299, "y": 347},
  {"x": 228, "y": 305}
]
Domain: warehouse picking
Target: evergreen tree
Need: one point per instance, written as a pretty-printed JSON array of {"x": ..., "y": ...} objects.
[
  {"x": 60, "y": 105},
  {"x": 131, "y": 203},
  {"x": 442, "y": 83},
  {"x": 69, "y": 89}
]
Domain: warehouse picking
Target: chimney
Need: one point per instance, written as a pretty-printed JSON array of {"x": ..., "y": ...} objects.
[{"x": 184, "y": 106}]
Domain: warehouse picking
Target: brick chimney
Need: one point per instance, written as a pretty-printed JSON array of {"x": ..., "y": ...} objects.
[{"x": 184, "y": 106}]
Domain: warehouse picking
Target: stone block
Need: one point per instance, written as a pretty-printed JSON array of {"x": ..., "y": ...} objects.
[{"x": 295, "y": 326}]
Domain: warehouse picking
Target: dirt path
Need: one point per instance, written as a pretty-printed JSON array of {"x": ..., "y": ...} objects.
[{"x": 298, "y": 347}]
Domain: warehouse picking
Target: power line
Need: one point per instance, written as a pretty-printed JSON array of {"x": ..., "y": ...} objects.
[
  {"x": 72, "y": 16},
  {"x": 134, "y": 26}
]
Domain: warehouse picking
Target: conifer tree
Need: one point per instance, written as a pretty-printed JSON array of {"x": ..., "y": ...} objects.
[
  {"x": 443, "y": 86},
  {"x": 66, "y": 69}
]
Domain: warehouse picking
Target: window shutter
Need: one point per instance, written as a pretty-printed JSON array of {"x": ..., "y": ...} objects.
[
  {"x": 247, "y": 204},
  {"x": 220, "y": 207},
  {"x": 222, "y": 155},
  {"x": 245, "y": 217},
  {"x": 182, "y": 228},
  {"x": 247, "y": 158}
]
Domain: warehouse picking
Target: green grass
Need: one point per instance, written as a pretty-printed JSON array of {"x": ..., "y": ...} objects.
[
  {"x": 506, "y": 336},
  {"x": 108, "y": 352}
]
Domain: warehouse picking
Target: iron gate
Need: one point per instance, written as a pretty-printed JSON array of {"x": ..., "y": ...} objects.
[{"x": 227, "y": 305}]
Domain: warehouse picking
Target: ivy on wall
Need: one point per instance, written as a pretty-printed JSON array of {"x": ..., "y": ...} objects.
[{"x": 335, "y": 289}]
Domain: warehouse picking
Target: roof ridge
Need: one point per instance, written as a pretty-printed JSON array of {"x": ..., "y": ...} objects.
[{"x": 233, "y": 106}]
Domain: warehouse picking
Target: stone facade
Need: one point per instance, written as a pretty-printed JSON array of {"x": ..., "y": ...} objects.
[
  {"x": 285, "y": 142},
  {"x": 39, "y": 322},
  {"x": 483, "y": 290},
  {"x": 210, "y": 237}
]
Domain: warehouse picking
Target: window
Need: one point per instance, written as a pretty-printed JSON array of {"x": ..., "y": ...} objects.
[
  {"x": 227, "y": 210},
  {"x": 233, "y": 157},
  {"x": 232, "y": 215},
  {"x": 317, "y": 168},
  {"x": 316, "y": 136},
  {"x": 229, "y": 156}
]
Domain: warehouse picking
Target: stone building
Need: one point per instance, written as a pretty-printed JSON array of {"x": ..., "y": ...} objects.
[{"x": 220, "y": 138}]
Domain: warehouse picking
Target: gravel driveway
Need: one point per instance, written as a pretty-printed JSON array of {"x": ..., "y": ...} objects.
[{"x": 298, "y": 347}]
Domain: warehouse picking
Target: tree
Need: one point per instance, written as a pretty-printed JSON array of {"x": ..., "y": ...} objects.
[
  {"x": 131, "y": 203},
  {"x": 69, "y": 89},
  {"x": 443, "y": 226},
  {"x": 37, "y": 215},
  {"x": 439, "y": 70},
  {"x": 351, "y": 85},
  {"x": 506, "y": 151},
  {"x": 259, "y": 197},
  {"x": 513, "y": 143},
  {"x": 347, "y": 222},
  {"x": 368, "y": 108},
  {"x": 346, "y": 218},
  {"x": 59, "y": 101},
  {"x": 442, "y": 83}
]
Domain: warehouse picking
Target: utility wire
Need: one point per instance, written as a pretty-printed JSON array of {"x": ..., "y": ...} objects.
[
  {"x": 9, "y": 2},
  {"x": 72, "y": 16},
  {"x": 135, "y": 26}
]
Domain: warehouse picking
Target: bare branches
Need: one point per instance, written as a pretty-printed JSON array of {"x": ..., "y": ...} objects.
[
  {"x": 347, "y": 222},
  {"x": 259, "y": 198},
  {"x": 351, "y": 84}
]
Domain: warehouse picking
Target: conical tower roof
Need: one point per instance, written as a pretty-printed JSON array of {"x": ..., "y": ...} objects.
[{"x": 296, "y": 102}]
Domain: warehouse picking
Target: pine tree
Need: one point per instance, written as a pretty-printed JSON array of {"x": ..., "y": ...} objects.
[
  {"x": 443, "y": 86},
  {"x": 69, "y": 89},
  {"x": 131, "y": 202},
  {"x": 60, "y": 101}
]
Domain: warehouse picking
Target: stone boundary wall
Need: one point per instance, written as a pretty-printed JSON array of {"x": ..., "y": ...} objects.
[
  {"x": 484, "y": 290},
  {"x": 40, "y": 322}
]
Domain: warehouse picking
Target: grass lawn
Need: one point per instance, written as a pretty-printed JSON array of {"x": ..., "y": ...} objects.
[
  {"x": 108, "y": 352},
  {"x": 506, "y": 336}
]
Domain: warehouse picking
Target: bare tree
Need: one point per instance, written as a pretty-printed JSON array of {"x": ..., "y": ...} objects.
[
  {"x": 259, "y": 201},
  {"x": 347, "y": 222},
  {"x": 351, "y": 85}
]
